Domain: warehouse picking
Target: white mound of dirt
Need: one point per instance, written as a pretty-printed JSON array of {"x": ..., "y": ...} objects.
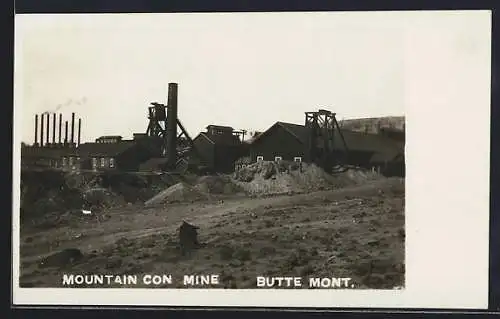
[
  {"x": 220, "y": 185},
  {"x": 279, "y": 184},
  {"x": 270, "y": 178},
  {"x": 180, "y": 192}
]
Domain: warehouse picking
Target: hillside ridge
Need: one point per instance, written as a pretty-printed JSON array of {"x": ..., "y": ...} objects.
[{"x": 374, "y": 124}]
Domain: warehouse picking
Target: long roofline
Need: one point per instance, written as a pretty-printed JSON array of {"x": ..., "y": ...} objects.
[{"x": 256, "y": 139}]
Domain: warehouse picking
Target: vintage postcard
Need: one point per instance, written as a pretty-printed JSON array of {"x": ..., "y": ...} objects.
[{"x": 252, "y": 159}]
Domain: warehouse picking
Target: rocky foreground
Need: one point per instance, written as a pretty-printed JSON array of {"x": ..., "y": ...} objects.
[{"x": 350, "y": 229}]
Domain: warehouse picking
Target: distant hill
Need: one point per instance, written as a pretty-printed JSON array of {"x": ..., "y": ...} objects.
[{"x": 373, "y": 124}]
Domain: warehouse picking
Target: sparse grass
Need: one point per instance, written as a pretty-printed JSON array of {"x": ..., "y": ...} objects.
[
  {"x": 242, "y": 254},
  {"x": 375, "y": 223},
  {"x": 306, "y": 270},
  {"x": 313, "y": 251},
  {"x": 327, "y": 239},
  {"x": 343, "y": 230},
  {"x": 373, "y": 243},
  {"x": 237, "y": 249},
  {"x": 114, "y": 264},
  {"x": 266, "y": 251},
  {"x": 268, "y": 223},
  {"x": 226, "y": 252},
  {"x": 298, "y": 257}
]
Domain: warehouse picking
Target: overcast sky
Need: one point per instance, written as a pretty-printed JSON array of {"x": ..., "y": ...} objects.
[{"x": 245, "y": 70}]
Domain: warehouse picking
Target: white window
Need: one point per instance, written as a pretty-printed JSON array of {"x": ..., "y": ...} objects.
[
  {"x": 260, "y": 158},
  {"x": 94, "y": 162},
  {"x": 111, "y": 162},
  {"x": 297, "y": 159},
  {"x": 278, "y": 158},
  {"x": 71, "y": 161},
  {"x": 65, "y": 161},
  {"x": 103, "y": 161}
]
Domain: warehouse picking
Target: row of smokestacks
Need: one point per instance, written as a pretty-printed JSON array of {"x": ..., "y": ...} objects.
[{"x": 56, "y": 139}]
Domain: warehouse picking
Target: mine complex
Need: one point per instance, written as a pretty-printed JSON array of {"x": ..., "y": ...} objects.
[
  {"x": 166, "y": 146},
  {"x": 305, "y": 199}
]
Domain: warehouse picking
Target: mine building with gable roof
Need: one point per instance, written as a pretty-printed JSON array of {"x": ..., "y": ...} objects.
[
  {"x": 109, "y": 153},
  {"x": 220, "y": 147},
  {"x": 289, "y": 142}
]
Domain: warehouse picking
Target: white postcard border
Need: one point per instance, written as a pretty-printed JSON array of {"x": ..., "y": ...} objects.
[{"x": 447, "y": 185}]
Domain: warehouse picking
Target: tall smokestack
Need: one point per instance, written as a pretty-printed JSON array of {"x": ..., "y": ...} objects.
[
  {"x": 41, "y": 130},
  {"x": 66, "y": 132},
  {"x": 54, "y": 128},
  {"x": 79, "y": 129},
  {"x": 48, "y": 129},
  {"x": 60, "y": 127},
  {"x": 36, "y": 129},
  {"x": 72, "y": 128},
  {"x": 172, "y": 125}
]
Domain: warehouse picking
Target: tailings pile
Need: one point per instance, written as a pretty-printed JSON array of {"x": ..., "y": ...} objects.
[
  {"x": 217, "y": 185},
  {"x": 269, "y": 178},
  {"x": 180, "y": 192}
]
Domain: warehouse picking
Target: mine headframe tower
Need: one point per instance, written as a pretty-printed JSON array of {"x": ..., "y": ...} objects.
[
  {"x": 321, "y": 147},
  {"x": 165, "y": 127}
]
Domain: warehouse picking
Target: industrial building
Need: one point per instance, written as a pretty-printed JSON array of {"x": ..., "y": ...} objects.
[
  {"x": 160, "y": 141},
  {"x": 392, "y": 133},
  {"x": 42, "y": 157},
  {"x": 220, "y": 147},
  {"x": 166, "y": 145},
  {"x": 50, "y": 145},
  {"x": 108, "y": 154},
  {"x": 319, "y": 141},
  {"x": 282, "y": 141}
]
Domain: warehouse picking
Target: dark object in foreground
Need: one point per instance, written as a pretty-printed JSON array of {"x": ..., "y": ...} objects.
[
  {"x": 61, "y": 258},
  {"x": 188, "y": 237}
]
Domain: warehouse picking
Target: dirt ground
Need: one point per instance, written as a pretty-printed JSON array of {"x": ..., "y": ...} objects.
[{"x": 356, "y": 232}]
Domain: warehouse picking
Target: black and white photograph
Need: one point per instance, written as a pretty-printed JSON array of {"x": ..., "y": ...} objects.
[{"x": 229, "y": 151}]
